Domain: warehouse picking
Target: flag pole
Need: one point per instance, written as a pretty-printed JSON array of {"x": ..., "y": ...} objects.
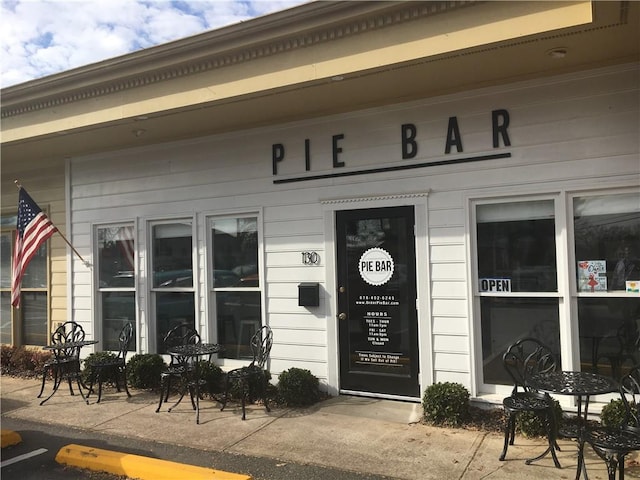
[{"x": 87, "y": 264}]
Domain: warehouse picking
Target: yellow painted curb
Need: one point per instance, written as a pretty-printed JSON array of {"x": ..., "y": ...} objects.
[
  {"x": 136, "y": 466},
  {"x": 9, "y": 437}
]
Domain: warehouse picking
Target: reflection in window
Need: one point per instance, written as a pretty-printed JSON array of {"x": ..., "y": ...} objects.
[
  {"x": 236, "y": 283},
  {"x": 516, "y": 252},
  {"x": 116, "y": 267},
  {"x": 32, "y": 318},
  {"x": 172, "y": 255},
  {"x": 607, "y": 236},
  {"x": 172, "y": 262},
  {"x": 505, "y": 320},
  {"x": 516, "y": 242}
]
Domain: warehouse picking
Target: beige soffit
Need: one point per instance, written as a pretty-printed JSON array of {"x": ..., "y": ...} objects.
[{"x": 291, "y": 49}]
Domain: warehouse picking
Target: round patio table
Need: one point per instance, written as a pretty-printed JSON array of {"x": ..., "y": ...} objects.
[
  {"x": 193, "y": 352},
  {"x": 581, "y": 385}
]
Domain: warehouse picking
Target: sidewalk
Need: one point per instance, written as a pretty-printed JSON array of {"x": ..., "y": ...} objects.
[{"x": 350, "y": 433}]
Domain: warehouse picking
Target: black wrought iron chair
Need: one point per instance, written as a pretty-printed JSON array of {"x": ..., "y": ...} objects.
[
  {"x": 612, "y": 444},
  {"x": 112, "y": 368},
  {"x": 65, "y": 360},
  {"x": 522, "y": 359},
  {"x": 241, "y": 379},
  {"x": 180, "y": 368}
]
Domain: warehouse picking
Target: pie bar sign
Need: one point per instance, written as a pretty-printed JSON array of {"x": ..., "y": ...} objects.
[
  {"x": 376, "y": 266},
  {"x": 592, "y": 276}
]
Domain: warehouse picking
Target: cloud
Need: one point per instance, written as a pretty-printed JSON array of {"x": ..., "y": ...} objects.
[{"x": 43, "y": 37}]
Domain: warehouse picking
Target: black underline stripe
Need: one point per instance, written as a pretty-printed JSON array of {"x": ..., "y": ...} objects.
[{"x": 394, "y": 168}]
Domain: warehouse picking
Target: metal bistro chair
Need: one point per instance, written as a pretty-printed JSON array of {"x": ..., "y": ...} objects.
[
  {"x": 180, "y": 367},
  {"x": 522, "y": 359},
  {"x": 254, "y": 373},
  {"x": 66, "y": 360},
  {"x": 612, "y": 444},
  {"x": 115, "y": 368}
]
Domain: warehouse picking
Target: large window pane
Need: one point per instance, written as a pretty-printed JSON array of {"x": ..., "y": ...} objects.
[
  {"x": 239, "y": 317},
  {"x": 5, "y": 317},
  {"x": 607, "y": 236},
  {"x": 505, "y": 320},
  {"x": 5, "y": 260},
  {"x": 516, "y": 243},
  {"x": 172, "y": 309},
  {"x": 609, "y": 334},
  {"x": 235, "y": 252},
  {"x": 172, "y": 255},
  {"x": 34, "y": 318},
  {"x": 116, "y": 257},
  {"x": 118, "y": 309},
  {"x": 236, "y": 292}
]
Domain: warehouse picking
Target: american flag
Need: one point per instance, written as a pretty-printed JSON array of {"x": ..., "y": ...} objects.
[{"x": 33, "y": 229}]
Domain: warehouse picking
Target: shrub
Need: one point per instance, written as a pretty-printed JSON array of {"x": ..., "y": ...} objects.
[
  {"x": 446, "y": 403},
  {"x": 39, "y": 358},
  {"x": 213, "y": 376},
  {"x": 94, "y": 358},
  {"x": 532, "y": 425},
  {"x": 6, "y": 352},
  {"x": 613, "y": 413},
  {"x": 143, "y": 370},
  {"x": 298, "y": 387},
  {"x": 22, "y": 360}
]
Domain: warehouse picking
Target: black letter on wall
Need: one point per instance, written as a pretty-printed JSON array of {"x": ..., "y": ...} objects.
[
  {"x": 453, "y": 135},
  {"x": 409, "y": 145},
  {"x": 337, "y": 150},
  {"x": 277, "y": 154},
  {"x": 500, "y": 127}
]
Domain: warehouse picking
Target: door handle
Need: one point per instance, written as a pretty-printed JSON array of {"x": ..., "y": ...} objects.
[{"x": 342, "y": 316}]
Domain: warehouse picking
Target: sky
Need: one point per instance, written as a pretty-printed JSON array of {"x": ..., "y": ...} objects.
[{"x": 44, "y": 37}]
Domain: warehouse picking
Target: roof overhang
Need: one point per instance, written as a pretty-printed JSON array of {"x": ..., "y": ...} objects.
[{"x": 315, "y": 59}]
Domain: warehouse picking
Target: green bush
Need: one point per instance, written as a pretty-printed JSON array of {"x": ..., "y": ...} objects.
[
  {"x": 613, "y": 413},
  {"x": 213, "y": 376},
  {"x": 532, "y": 425},
  {"x": 298, "y": 388},
  {"x": 446, "y": 403},
  {"x": 144, "y": 369},
  {"x": 94, "y": 358}
]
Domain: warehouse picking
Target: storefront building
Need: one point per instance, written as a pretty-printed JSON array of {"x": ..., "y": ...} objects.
[{"x": 398, "y": 200}]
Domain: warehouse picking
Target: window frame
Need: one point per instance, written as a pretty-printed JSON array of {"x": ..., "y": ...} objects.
[
  {"x": 99, "y": 319},
  {"x": 17, "y": 314},
  {"x": 153, "y": 345},
  {"x": 211, "y": 289},
  {"x": 477, "y": 295}
]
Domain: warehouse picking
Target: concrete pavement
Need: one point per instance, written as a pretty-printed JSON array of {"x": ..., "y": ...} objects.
[{"x": 350, "y": 433}]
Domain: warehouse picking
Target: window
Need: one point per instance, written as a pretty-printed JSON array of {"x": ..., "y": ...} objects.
[
  {"x": 31, "y": 320},
  {"x": 116, "y": 272},
  {"x": 517, "y": 281},
  {"x": 607, "y": 238},
  {"x": 235, "y": 283},
  {"x": 172, "y": 273}
]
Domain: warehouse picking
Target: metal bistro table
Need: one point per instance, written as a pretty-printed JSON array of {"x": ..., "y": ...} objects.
[
  {"x": 194, "y": 352},
  {"x": 581, "y": 385},
  {"x": 67, "y": 368}
]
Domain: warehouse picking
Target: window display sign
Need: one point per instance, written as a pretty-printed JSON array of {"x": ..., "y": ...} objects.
[
  {"x": 495, "y": 284},
  {"x": 592, "y": 276}
]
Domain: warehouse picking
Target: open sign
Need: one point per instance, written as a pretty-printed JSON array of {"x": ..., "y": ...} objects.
[{"x": 495, "y": 284}]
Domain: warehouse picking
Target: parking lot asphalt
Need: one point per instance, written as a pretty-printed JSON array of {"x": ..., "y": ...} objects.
[{"x": 362, "y": 435}]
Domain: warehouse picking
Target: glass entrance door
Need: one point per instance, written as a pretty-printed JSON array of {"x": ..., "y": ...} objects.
[{"x": 377, "y": 317}]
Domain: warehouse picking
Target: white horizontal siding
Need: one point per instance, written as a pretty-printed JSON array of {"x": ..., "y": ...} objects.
[{"x": 573, "y": 132}]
